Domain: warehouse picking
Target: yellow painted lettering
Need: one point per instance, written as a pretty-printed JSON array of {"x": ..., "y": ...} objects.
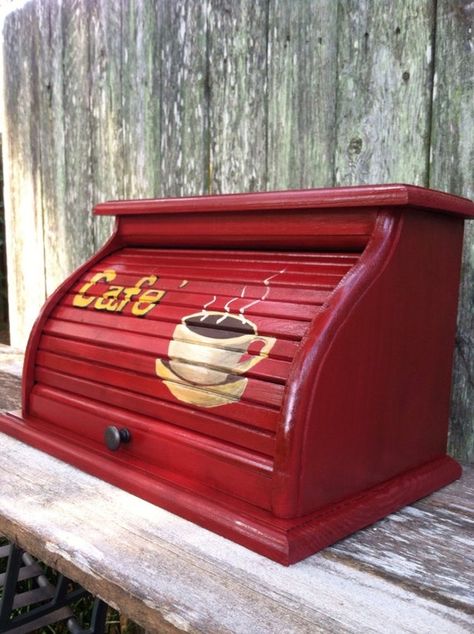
[
  {"x": 147, "y": 300},
  {"x": 81, "y": 300},
  {"x": 109, "y": 300}
]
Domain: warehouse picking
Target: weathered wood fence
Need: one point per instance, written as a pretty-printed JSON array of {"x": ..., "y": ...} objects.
[{"x": 142, "y": 98}]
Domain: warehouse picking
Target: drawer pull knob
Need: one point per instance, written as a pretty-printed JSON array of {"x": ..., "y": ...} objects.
[{"x": 114, "y": 437}]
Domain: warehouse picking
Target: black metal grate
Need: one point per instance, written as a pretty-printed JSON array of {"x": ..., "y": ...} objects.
[{"x": 30, "y": 601}]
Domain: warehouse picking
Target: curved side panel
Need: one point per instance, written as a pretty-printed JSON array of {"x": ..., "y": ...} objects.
[
  {"x": 378, "y": 402},
  {"x": 306, "y": 367},
  {"x": 112, "y": 244}
]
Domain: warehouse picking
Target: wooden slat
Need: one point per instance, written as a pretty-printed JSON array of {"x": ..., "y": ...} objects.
[
  {"x": 229, "y": 468},
  {"x": 232, "y": 289},
  {"x": 89, "y": 418},
  {"x": 260, "y": 392},
  {"x": 385, "y": 74},
  {"x": 200, "y": 421},
  {"x": 283, "y": 349},
  {"x": 241, "y": 273},
  {"x": 235, "y": 267},
  {"x": 302, "y": 80},
  {"x": 252, "y": 415},
  {"x": 169, "y": 317},
  {"x": 277, "y": 257},
  {"x": 196, "y": 301},
  {"x": 451, "y": 169},
  {"x": 138, "y": 355},
  {"x": 249, "y": 414}
]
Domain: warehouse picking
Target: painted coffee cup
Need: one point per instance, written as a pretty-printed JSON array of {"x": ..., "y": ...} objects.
[{"x": 208, "y": 346}]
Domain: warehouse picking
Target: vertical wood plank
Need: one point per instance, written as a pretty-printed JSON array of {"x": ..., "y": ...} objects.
[
  {"x": 238, "y": 95},
  {"x": 184, "y": 120},
  {"x": 78, "y": 241},
  {"x": 452, "y": 169},
  {"x": 106, "y": 111},
  {"x": 22, "y": 164},
  {"x": 49, "y": 54},
  {"x": 302, "y": 80},
  {"x": 384, "y": 91},
  {"x": 141, "y": 97}
]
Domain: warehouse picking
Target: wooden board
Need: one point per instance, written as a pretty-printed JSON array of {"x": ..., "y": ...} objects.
[
  {"x": 451, "y": 169},
  {"x": 384, "y": 87},
  {"x": 237, "y": 77},
  {"x": 106, "y": 75},
  {"x": 171, "y": 576},
  {"x": 24, "y": 221},
  {"x": 302, "y": 86}
]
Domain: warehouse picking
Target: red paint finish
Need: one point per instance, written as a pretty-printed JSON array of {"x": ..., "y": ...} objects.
[{"x": 282, "y": 360}]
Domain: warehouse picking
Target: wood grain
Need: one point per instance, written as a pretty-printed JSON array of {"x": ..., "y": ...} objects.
[
  {"x": 302, "y": 81},
  {"x": 141, "y": 97},
  {"x": 106, "y": 108},
  {"x": 171, "y": 576},
  {"x": 58, "y": 230},
  {"x": 384, "y": 91},
  {"x": 77, "y": 133},
  {"x": 238, "y": 93},
  {"x": 24, "y": 222},
  {"x": 185, "y": 92},
  {"x": 452, "y": 167}
]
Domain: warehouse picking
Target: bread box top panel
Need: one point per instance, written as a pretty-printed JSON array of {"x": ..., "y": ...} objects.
[{"x": 365, "y": 196}]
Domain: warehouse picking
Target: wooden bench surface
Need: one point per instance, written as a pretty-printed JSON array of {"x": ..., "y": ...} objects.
[{"x": 411, "y": 572}]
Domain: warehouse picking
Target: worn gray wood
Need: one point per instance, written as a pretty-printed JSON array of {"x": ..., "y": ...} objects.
[
  {"x": 141, "y": 98},
  {"x": 11, "y": 361},
  {"x": 106, "y": 109},
  {"x": 169, "y": 575},
  {"x": 22, "y": 174},
  {"x": 452, "y": 169},
  {"x": 11, "y": 388},
  {"x": 238, "y": 95},
  {"x": 440, "y": 566},
  {"x": 76, "y": 214},
  {"x": 185, "y": 94},
  {"x": 385, "y": 73},
  {"x": 302, "y": 82},
  {"x": 49, "y": 45}
]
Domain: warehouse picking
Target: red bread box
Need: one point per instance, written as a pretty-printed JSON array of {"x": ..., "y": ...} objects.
[{"x": 275, "y": 367}]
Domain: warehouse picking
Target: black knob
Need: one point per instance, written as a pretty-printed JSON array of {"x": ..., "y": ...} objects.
[{"x": 114, "y": 437}]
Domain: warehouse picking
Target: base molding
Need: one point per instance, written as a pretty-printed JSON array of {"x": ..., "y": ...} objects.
[{"x": 283, "y": 540}]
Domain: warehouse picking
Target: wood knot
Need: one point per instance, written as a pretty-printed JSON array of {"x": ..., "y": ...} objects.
[{"x": 355, "y": 146}]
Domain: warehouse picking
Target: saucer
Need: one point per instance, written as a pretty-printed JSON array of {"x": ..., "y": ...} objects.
[{"x": 201, "y": 395}]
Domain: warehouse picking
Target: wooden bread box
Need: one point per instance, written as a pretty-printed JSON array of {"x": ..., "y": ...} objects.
[{"x": 275, "y": 367}]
